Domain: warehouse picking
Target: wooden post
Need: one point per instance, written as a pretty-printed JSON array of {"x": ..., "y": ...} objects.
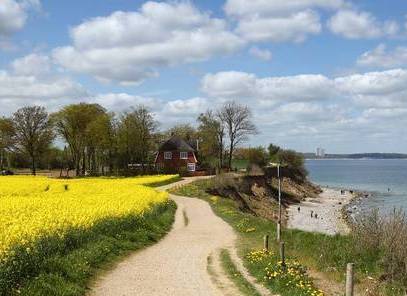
[
  {"x": 282, "y": 253},
  {"x": 349, "y": 279},
  {"x": 266, "y": 242},
  {"x": 278, "y": 231}
]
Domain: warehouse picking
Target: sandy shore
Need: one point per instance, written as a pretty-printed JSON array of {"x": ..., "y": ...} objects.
[{"x": 327, "y": 208}]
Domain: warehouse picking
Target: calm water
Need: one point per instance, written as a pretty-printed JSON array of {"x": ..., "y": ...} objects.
[{"x": 377, "y": 176}]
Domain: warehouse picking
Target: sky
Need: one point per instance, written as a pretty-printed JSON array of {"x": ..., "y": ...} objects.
[{"x": 315, "y": 73}]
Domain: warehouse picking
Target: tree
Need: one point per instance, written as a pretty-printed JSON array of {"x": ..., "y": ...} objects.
[
  {"x": 294, "y": 161},
  {"x": 184, "y": 131},
  {"x": 255, "y": 155},
  {"x": 238, "y": 124},
  {"x": 33, "y": 132},
  {"x": 76, "y": 125},
  {"x": 136, "y": 135},
  {"x": 273, "y": 152},
  {"x": 211, "y": 133},
  {"x": 6, "y": 138}
]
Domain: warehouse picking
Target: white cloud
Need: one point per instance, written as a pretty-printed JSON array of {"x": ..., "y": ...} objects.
[
  {"x": 376, "y": 89},
  {"x": 32, "y": 88},
  {"x": 269, "y": 90},
  {"x": 32, "y": 64},
  {"x": 13, "y": 15},
  {"x": 311, "y": 99},
  {"x": 243, "y": 8},
  {"x": 383, "y": 58},
  {"x": 374, "y": 83},
  {"x": 32, "y": 79},
  {"x": 121, "y": 101},
  {"x": 162, "y": 34},
  {"x": 295, "y": 27},
  {"x": 278, "y": 21},
  {"x": 360, "y": 25},
  {"x": 262, "y": 54}
]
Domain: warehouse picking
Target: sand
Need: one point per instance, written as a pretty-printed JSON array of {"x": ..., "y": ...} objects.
[{"x": 328, "y": 210}]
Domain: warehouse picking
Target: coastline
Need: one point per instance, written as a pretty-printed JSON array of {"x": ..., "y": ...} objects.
[{"x": 329, "y": 208}]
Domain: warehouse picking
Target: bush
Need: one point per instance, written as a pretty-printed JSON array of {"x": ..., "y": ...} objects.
[
  {"x": 295, "y": 162},
  {"x": 385, "y": 237}
]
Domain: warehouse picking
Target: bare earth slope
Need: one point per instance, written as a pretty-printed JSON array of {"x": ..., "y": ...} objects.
[{"x": 177, "y": 265}]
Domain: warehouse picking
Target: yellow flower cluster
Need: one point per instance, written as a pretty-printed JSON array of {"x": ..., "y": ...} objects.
[
  {"x": 32, "y": 207},
  {"x": 293, "y": 274},
  {"x": 290, "y": 276},
  {"x": 258, "y": 256}
]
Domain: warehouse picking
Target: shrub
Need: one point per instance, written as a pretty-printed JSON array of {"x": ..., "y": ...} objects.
[
  {"x": 385, "y": 237},
  {"x": 293, "y": 161}
]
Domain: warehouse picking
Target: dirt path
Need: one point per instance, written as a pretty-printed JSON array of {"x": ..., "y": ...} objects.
[
  {"x": 328, "y": 209},
  {"x": 177, "y": 265}
]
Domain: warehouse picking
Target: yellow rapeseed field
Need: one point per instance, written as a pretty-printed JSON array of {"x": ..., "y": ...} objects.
[{"x": 33, "y": 207}]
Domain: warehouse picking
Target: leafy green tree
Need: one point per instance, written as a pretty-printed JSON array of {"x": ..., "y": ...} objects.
[
  {"x": 136, "y": 136},
  {"x": 76, "y": 125},
  {"x": 294, "y": 161},
  {"x": 7, "y": 139},
  {"x": 33, "y": 132},
  {"x": 256, "y": 155},
  {"x": 184, "y": 131},
  {"x": 211, "y": 134},
  {"x": 273, "y": 152}
]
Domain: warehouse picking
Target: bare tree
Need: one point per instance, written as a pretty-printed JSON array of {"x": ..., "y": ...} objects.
[
  {"x": 33, "y": 132},
  {"x": 237, "y": 120}
]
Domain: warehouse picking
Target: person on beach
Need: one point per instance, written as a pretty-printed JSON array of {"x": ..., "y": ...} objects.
[
  {"x": 316, "y": 216},
  {"x": 312, "y": 214},
  {"x": 299, "y": 209}
]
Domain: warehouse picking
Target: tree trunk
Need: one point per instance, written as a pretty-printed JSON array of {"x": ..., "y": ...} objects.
[
  {"x": 1, "y": 159},
  {"x": 230, "y": 157},
  {"x": 77, "y": 165},
  {"x": 33, "y": 169}
]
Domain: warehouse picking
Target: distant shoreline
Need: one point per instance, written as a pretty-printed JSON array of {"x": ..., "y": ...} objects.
[{"x": 355, "y": 158}]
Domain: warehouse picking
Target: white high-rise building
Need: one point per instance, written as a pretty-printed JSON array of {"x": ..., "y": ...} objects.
[{"x": 320, "y": 152}]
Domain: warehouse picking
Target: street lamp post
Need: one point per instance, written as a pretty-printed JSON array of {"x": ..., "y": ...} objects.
[
  {"x": 279, "y": 204},
  {"x": 278, "y": 166}
]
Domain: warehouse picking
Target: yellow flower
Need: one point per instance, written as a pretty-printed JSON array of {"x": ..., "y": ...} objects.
[{"x": 32, "y": 207}]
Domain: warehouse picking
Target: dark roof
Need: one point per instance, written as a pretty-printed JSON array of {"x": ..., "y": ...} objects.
[{"x": 176, "y": 143}]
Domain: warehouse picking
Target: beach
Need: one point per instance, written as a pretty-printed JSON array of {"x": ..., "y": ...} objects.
[{"x": 326, "y": 213}]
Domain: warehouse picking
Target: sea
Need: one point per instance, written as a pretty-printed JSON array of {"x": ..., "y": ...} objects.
[{"x": 385, "y": 180}]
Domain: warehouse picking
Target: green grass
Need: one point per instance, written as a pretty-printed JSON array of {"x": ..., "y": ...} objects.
[
  {"x": 235, "y": 276},
  {"x": 326, "y": 254},
  {"x": 166, "y": 182},
  {"x": 239, "y": 164},
  {"x": 71, "y": 262}
]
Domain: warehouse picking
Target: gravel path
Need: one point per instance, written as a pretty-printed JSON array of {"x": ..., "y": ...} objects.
[
  {"x": 177, "y": 265},
  {"x": 328, "y": 209}
]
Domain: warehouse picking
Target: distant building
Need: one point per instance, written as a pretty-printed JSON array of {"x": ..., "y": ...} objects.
[
  {"x": 176, "y": 155},
  {"x": 320, "y": 152}
]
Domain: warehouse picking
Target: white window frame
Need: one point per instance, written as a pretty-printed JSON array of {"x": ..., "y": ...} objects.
[
  {"x": 183, "y": 155},
  {"x": 167, "y": 155},
  {"x": 190, "y": 165}
]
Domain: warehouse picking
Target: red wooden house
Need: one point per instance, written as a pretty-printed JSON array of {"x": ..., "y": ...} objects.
[{"x": 176, "y": 155}]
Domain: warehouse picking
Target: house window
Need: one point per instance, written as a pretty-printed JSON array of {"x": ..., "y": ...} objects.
[
  {"x": 168, "y": 155},
  {"x": 191, "y": 167},
  {"x": 183, "y": 155}
]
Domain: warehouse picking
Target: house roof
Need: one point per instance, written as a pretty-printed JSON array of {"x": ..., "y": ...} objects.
[{"x": 176, "y": 143}]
